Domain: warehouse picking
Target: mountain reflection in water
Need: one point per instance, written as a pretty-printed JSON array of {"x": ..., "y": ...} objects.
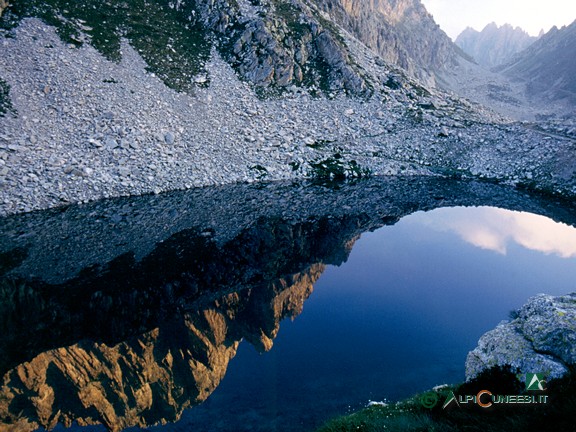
[{"x": 126, "y": 312}]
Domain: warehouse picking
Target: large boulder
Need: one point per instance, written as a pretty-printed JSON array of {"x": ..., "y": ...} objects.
[{"x": 541, "y": 339}]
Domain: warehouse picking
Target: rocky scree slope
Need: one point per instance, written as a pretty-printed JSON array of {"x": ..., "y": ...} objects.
[
  {"x": 494, "y": 45},
  {"x": 109, "y": 99}
]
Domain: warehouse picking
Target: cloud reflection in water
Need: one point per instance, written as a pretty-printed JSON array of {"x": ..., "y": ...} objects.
[{"x": 494, "y": 229}]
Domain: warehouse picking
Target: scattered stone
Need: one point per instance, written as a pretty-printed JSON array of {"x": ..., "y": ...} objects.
[
  {"x": 116, "y": 218},
  {"x": 124, "y": 171},
  {"x": 111, "y": 143},
  {"x": 96, "y": 143},
  {"x": 444, "y": 132},
  {"x": 169, "y": 138},
  {"x": 143, "y": 116}
]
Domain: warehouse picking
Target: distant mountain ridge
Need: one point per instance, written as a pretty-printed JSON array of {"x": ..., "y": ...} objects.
[
  {"x": 548, "y": 67},
  {"x": 494, "y": 45}
]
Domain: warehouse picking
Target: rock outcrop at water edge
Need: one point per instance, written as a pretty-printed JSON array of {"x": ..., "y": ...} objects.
[{"x": 541, "y": 339}]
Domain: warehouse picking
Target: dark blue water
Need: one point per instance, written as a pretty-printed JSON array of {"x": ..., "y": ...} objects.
[{"x": 397, "y": 318}]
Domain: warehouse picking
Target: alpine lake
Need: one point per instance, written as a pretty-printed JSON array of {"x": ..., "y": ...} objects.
[{"x": 270, "y": 307}]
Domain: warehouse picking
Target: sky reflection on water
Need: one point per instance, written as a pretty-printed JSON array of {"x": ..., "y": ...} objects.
[{"x": 397, "y": 318}]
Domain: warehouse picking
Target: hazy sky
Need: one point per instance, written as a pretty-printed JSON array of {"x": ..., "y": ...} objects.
[{"x": 532, "y": 15}]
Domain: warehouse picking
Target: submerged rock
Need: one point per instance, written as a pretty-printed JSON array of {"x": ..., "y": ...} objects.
[{"x": 542, "y": 339}]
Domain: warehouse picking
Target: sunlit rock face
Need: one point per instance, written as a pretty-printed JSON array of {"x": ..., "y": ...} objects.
[
  {"x": 153, "y": 377},
  {"x": 3, "y": 5}
]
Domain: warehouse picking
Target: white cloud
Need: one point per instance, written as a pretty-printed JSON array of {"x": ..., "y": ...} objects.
[
  {"x": 493, "y": 228},
  {"x": 453, "y": 16}
]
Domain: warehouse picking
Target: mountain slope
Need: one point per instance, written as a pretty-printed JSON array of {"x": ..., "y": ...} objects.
[
  {"x": 401, "y": 31},
  {"x": 494, "y": 45},
  {"x": 548, "y": 67},
  {"x": 124, "y": 98}
]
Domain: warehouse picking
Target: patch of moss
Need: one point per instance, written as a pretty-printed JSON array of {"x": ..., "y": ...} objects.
[
  {"x": 5, "y": 101},
  {"x": 319, "y": 144},
  {"x": 335, "y": 168},
  {"x": 290, "y": 14}
]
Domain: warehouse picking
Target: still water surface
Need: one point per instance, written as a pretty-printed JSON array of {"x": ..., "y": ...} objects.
[{"x": 397, "y": 318}]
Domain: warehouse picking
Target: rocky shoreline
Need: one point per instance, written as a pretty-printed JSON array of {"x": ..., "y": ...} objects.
[
  {"x": 87, "y": 128},
  {"x": 541, "y": 338}
]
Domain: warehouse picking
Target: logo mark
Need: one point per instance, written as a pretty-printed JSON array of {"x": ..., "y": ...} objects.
[
  {"x": 450, "y": 399},
  {"x": 535, "y": 381},
  {"x": 429, "y": 400}
]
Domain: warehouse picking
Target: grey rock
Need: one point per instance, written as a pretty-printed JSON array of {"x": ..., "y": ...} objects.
[
  {"x": 96, "y": 143},
  {"x": 548, "y": 65},
  {"x": 116, "y": 218},
  {"x": 444, "y": 132},
  {"x": 169, "y": 138},
  {"x": 124, "y": 171},
  {"x": 111, "y": 143},
  {"x": 542, "y": 339}
]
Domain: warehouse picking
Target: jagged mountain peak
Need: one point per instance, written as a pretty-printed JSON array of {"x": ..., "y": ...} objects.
[
  {"x": 402, "y": 32},
  {"x": 495, "y": 44},
  {"x": 548, "y": 65}
]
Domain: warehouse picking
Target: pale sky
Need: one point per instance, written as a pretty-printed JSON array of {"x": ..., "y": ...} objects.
[{"x": 453, "y": 16}]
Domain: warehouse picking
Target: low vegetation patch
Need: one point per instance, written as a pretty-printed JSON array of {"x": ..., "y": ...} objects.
[
  {"x": 174, "y": 46},
  {"x": 336, "y": 168},
  {"x": 5, "y": 101},
  {"x": 438, "y": 411}
]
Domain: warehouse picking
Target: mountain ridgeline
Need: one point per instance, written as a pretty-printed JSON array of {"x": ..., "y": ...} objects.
[
  {"x": 548, "y": 67},
  {"x": 494, "y": 45}
]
